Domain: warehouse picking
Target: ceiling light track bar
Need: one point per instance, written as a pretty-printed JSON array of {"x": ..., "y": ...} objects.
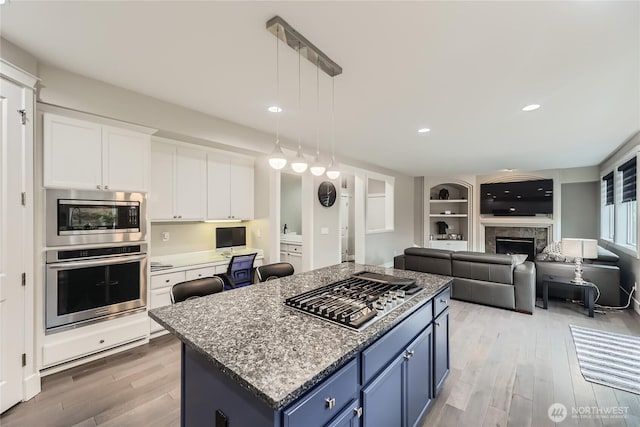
[{"x": 296, "y": 41}]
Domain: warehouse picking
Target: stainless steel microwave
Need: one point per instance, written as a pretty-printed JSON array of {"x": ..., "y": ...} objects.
[{"x": 87, "y": 217}]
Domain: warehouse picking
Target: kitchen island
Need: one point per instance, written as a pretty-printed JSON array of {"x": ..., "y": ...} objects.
[{"x": 248, "y": 359}]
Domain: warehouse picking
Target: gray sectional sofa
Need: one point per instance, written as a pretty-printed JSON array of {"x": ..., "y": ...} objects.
[
  {"x": 490, "y": 279},
  {"x": 602, "y": 271}
]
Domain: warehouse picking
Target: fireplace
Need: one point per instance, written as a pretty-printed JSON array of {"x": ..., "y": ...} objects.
[
  {"x": 539, "y": 234},
  {"x": 516, "y": 245}
]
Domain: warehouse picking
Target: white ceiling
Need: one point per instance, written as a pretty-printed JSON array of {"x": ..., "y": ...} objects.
[{"x": 463, "y": 69}]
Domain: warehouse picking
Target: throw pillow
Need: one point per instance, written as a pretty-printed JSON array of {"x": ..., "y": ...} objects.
[
  {"x": 553, "y": 248},
  {"x": 517, "y": 259}
]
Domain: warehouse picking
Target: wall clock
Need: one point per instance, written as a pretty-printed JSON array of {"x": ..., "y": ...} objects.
[{"x": 327, "y": 194}]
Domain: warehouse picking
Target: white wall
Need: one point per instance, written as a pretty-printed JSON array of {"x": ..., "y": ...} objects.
[
  {"x": 326, "y": 247},
  {"x": 579, "y": 218},
  {"x": 380, "y": 248},
  {"x": 190, "y": 236},
  {"x": 18, "y": 57}
]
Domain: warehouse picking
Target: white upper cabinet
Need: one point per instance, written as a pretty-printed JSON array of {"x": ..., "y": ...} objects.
[
  {"x": 178, "y": 183},
  {"x": 83, "y": 155},
  {"x": 230, "y": 189}
]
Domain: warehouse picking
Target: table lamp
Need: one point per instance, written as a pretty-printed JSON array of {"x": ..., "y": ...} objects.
[{"x": 579, "y": 249}]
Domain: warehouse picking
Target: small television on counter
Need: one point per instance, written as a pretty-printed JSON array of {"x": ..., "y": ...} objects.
[
  {"x": 231, "y": 237},
  {"x": 522, "y": 198}
]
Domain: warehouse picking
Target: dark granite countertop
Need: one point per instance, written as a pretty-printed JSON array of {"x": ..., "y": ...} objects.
[{"x": 272, "y": 350}]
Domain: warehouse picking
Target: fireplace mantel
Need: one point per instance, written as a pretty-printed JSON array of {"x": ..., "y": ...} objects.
[{"x": 542, "y": 229}]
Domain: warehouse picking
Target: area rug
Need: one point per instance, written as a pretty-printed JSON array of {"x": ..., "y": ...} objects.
[{"x": 607, "y": 358}]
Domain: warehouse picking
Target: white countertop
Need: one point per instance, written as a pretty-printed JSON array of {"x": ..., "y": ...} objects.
[
  {"x": 291, "y": 239},
  {"x": 191, "y": 259}
]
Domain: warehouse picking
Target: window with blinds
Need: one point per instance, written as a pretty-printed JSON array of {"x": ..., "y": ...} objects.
[
  {"x": 608, "y": 188},
  {"x": 628, "y": 170}
]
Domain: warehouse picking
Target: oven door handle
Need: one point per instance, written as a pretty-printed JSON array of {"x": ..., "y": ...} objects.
[{"x": 96, "y": 262}]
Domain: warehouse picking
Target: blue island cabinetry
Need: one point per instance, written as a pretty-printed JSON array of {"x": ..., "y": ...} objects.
[{"x": 389, "y": 383}]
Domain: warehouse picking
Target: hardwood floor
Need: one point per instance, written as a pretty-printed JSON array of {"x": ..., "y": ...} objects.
[{"x": 507, "y": 368}]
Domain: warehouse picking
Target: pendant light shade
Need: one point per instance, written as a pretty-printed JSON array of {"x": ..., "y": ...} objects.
[
  {"x": 317, "y": 168},
  {"x": 299, "y": 164},
  {"x": 277, "y": 160},
  {"x": 333, "y": 171}
]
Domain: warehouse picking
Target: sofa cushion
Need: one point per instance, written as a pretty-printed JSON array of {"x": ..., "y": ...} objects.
[
  {"x": 496, "y": 268},
  {"x": 433, "y": 253},
  {"x": 606, "y": 256},
  {"x": 435, "y": 261}
]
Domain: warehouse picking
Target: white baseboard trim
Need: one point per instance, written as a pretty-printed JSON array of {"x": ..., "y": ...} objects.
[
  {"x": 31, "y": 386},
  {"x": 635, "y": 303},
  {"x": 387, "y": 264}
]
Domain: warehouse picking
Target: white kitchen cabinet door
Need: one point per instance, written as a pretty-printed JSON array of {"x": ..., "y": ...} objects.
[
  {"x": 191, "y": 184},
  {"x": 218, "y": 188},
  {"x": 163, "y": 178},
  {"x": 72, "y": 153},
  {"x": 295, "y": 259},
  {"x": 241, "y": 191},
  {"x": 125, "y": 160}
]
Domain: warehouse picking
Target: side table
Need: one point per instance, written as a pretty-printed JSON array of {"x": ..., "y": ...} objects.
[{"x": 588, "y": 290}]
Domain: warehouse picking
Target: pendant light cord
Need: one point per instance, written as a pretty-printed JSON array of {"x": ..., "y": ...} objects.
[
  {"x": 318, "y": 110},
  {"x": 278, "y": 85},
  {"x": 333, "y": 119},
  {"x": 299, "y": 101}
]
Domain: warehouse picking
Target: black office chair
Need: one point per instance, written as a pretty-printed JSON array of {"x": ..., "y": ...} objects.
[
  {"x": 274, "y": 271},
  {"x": 240, "y": 271},
  {"x": 195, "y": 288}
]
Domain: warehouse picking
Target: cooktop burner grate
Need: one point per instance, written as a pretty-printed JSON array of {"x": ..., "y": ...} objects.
[{"x": 357, "y": 301}]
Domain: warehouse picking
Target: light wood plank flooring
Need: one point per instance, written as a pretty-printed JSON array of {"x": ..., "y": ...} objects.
[{"x": 506, "y": 369}]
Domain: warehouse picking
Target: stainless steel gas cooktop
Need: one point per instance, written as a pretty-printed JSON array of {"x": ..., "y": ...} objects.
[{"x": 357, "y": 301}]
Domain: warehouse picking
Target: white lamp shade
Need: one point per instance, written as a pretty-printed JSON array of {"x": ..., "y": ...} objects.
[
  {"x": 317, "y": 168},
  {"x": 277, "y": 160},
  {"x": 333, "y": 174},
  {"x": 580, "y": 248},
  {"x": 299, "y": 166}
]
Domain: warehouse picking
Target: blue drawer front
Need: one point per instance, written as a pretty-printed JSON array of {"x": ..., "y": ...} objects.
[
  {"x": 441, "y": 301},
  {"x": 380, "y": 353},
  {"x": 314, "y": 409}
]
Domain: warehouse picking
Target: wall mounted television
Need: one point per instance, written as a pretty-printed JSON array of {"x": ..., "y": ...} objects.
[
  {"x": 522, "y": 198},
  {"x": 231, "y": 237}
]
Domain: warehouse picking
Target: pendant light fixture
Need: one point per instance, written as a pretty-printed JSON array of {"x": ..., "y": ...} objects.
[
  {"x": 317, "y": 168},
  {"x": 277, "y": 160},
  {"x": 333, "y": 172},
  {"x": 299, "y": 164}
]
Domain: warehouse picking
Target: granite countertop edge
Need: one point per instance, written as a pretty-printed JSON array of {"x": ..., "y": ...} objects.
[{"x": 278, "y": 404}]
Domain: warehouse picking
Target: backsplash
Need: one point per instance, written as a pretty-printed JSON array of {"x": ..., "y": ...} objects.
[{"x": 189, "y": 236}]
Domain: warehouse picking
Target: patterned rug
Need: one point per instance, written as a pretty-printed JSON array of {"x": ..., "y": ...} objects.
[{"x": 607, "y": 358}]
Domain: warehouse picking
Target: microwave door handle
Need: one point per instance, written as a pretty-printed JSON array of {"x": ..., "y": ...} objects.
[{"x": 95, "y": 263}]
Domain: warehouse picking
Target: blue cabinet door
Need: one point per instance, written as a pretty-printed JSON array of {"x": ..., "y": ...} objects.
[
  {"x": 418, "y": 376},
  {"x": 441, "y": 346},
  {"x": 349, "y": 417},
  {"x": 382, "y": 399}
]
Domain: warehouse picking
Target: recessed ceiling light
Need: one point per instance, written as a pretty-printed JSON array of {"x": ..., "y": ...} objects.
[
  {"x": 424, "y": 130},
  {"x": 530, "y": 107},
  {"x": 275, "y": 109}
]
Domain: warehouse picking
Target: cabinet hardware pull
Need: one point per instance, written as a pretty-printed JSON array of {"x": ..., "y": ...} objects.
[
  {"x": 98, "y": 187},
  {"x": 408, "y": 355},
  {"x": 106, "y": 187},
  {"x": 330, "y": 402},
  {"x": 437, "y": 323},
  {"x": 357, "y": 411},
  {"x": 101, "y": 341},
  {"x": 167, "y": 281},
  {"x": 442, "y": 300}
]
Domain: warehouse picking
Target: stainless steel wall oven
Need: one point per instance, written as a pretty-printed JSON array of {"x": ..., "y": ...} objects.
[
  {"x": 89, "y": 284},
  {"x": 87, "y": 217}
]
